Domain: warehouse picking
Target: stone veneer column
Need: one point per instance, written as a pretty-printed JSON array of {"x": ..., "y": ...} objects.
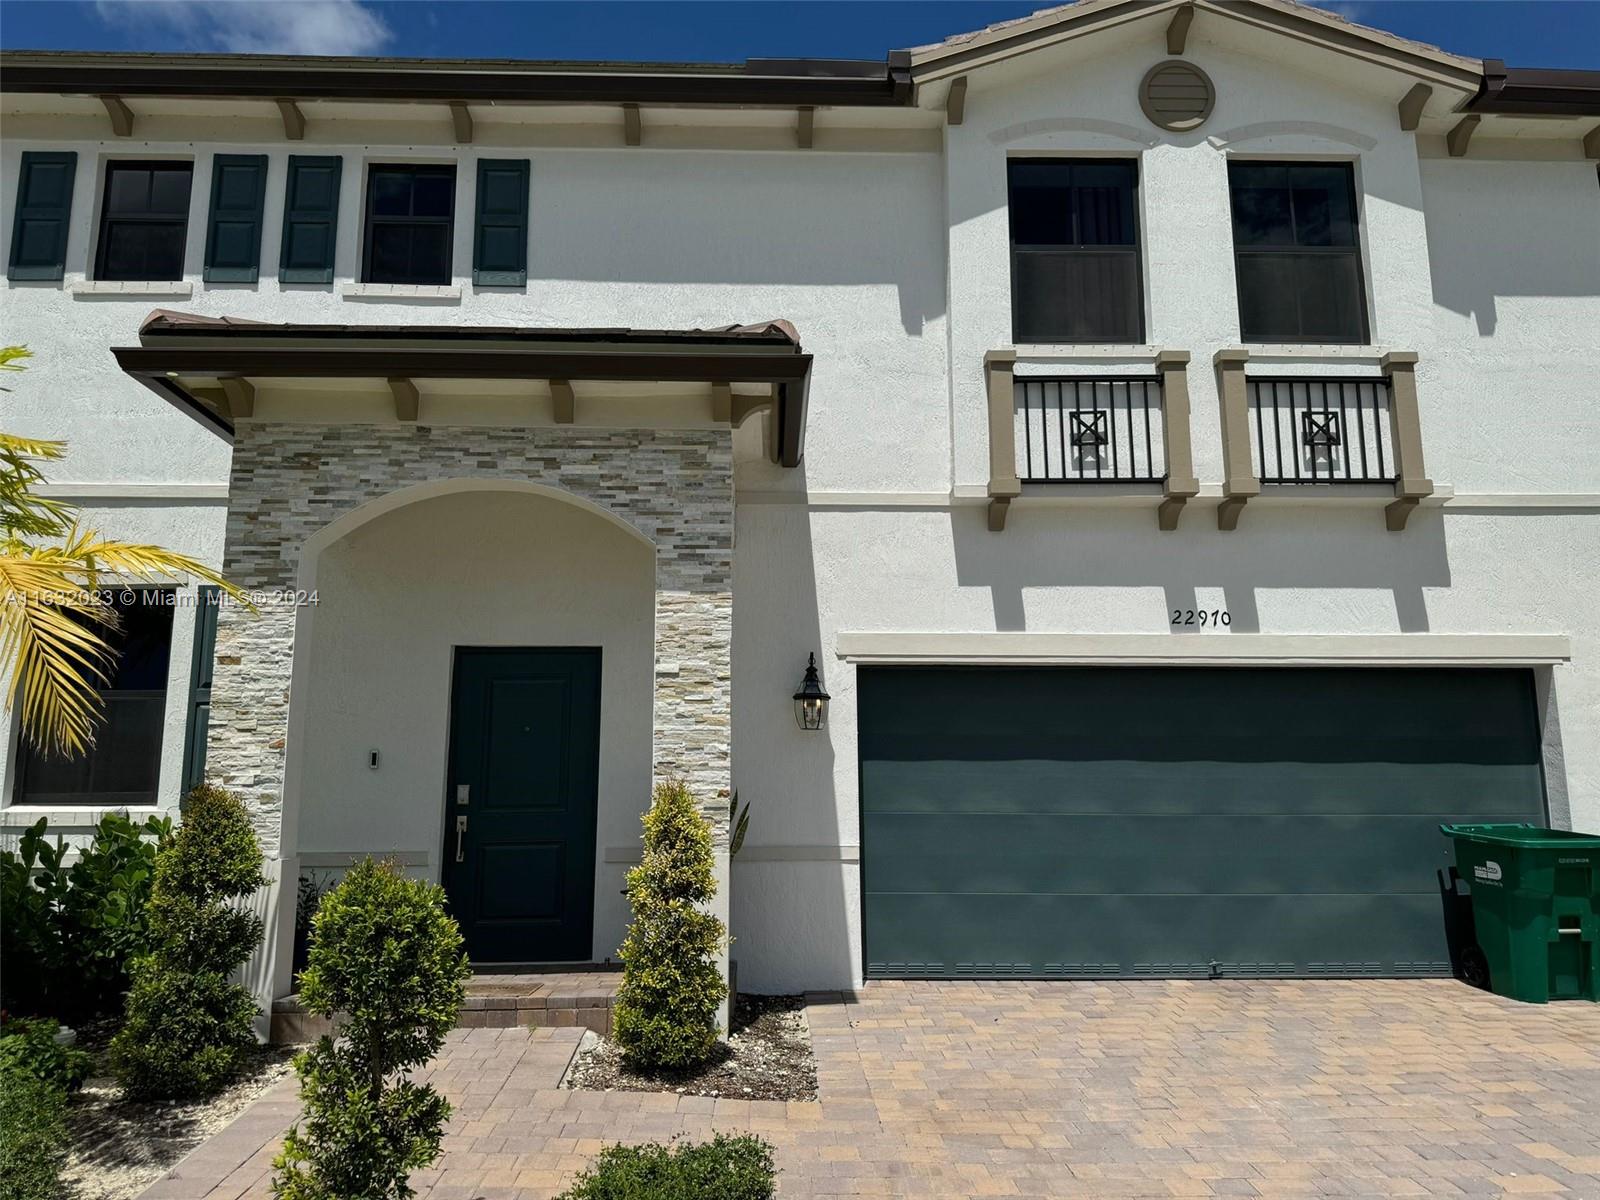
[
  {"x": 248, "y": 733},
  {"x": 290, "y": 481}
]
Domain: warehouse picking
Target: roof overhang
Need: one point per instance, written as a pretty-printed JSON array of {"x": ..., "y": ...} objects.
[
  {"x": 175, "y": 350},
  {"x": 1298, "y": 21},
  {"x": 1534, "y": 92},
  {"x": 779, "y": 83}
]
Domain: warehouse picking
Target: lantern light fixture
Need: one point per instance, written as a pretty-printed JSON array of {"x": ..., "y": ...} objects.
[{"x": 811, "y": 702}]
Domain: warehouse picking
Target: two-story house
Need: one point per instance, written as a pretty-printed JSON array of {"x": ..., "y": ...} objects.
[{"x": 1172, "y": 426}]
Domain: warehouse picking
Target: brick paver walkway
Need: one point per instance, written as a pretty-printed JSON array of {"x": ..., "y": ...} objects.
[{"x": 1325, "y": 1088}]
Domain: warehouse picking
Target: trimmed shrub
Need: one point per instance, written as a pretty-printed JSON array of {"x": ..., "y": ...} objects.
[
  {"x": 30, "y": 1045},
  {"x": 69, "y": 934},
  {"x": 33, "y": 1135},
  {"x": 388, "y": 960},
  {"x": 189, "y": 1028},
  {"x": 665, "y": 1014},
  {"x": 725, "y": 1168}
]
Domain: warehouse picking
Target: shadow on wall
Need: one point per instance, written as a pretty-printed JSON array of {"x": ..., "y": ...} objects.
[
  {"x": 819, "y": 223},
  {"x": 1478, "y": 251},
  {"x": 791, "y": 907},
  {"x": 1272, "y": 548}
]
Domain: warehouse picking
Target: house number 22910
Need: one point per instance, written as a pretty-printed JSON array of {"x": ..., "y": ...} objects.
[{"x": 1201, "y": 616}]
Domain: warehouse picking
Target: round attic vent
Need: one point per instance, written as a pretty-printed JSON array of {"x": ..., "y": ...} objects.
[{"x": 1177, "y": 95}]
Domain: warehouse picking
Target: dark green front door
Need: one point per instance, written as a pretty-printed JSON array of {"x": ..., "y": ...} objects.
[
  {"x": 1117, "y": 823},
  {"x": 520, "y": 803}
]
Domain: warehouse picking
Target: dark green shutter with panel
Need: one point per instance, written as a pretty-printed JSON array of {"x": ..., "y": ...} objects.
[
  {"x": 233, "y": 233},
  {"x": 310, "y": 218},
  {"x": 1177, "y": 822},
  {"x": 201, "y": 671},
  {"x": 500, "y": 238},
  {"x": 43, "y": 215}
]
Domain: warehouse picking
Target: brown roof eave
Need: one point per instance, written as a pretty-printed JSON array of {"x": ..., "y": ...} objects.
[
  {"x": 758, "y": 83},
  {"x": 1536, "y": 92},
  {"x": 159, "y": 367}
]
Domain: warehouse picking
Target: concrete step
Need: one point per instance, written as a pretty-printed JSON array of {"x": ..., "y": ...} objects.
[{"x": 577, "y": 997}]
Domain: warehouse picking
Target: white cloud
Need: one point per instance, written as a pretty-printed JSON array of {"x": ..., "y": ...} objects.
[{"x": 250, "y": 26}]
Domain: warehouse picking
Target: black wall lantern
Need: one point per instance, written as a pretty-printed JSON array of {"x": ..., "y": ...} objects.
[{"x": 811, "y": 702}]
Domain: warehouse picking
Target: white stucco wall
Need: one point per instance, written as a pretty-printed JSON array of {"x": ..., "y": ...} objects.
[
  {"x": 395, "y": 598},
  {"x": 893, "y": 265}
]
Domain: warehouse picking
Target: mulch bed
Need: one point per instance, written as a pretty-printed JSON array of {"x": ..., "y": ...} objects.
[
  {"x": 767, "y": 1057},
  {"x": 117, "y": 1148}
]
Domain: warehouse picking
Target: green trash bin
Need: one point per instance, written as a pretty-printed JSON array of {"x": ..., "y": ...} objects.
[{"x": 1536, "y": 909}]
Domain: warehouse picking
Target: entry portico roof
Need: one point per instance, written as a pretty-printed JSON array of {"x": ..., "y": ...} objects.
[{"x": 177, "y": 349}]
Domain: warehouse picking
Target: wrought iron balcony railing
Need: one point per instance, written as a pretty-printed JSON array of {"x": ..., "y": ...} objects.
[
  {"x": 1322, "y": 430},
  {"x": 1090, "y": 430}
]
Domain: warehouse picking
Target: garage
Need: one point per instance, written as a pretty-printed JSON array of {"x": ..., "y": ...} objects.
[{"x": 1057, "y": 822}]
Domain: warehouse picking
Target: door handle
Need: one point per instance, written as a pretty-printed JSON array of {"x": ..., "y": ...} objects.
[{"x": 461, "y": 829}]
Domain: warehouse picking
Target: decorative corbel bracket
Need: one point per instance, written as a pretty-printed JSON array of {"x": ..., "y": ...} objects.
[
  {"x": 1181, "y": 485},
  {"x": 999, "y": 368},
  {"x": 121, "y": 115},
  {"x": 1240, "y": 483},
  {"x": 1411, "y": 484},
  {"x": 407, "y": 400}
]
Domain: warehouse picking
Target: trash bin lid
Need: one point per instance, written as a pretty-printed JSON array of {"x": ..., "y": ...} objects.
[{"x": 1524, "y": 836}]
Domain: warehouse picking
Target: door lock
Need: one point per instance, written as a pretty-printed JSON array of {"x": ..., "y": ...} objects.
[
  {"x": 461, "y": 829},
  {"x": 463, "y": 793}
]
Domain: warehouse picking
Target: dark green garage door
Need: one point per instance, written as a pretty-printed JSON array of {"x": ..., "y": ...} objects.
[{"x": 1061, "y": 822}]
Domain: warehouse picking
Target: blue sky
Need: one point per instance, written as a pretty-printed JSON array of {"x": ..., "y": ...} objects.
[{"x": 1528, "y": 33}]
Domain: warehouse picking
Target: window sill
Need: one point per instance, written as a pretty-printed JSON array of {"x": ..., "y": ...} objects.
[
  {"x": 1086, "y": 351},
  {"x": 400, "y": 291},
  {"x": 21, "y": 816},
  {"x": 131, "y": 287}
]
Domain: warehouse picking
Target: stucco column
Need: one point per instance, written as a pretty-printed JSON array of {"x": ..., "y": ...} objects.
[
  {"x": 1411, "y": 483},
  {"x": 1239, "y": 481},
  {"x": 1181, "y": 485},
  {"x": 999, "y": 370}
]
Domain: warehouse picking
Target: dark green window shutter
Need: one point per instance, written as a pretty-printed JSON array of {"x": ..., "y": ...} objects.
[
  {"x": 500, "y": 241},
  {"x": 201, "y": 670},
  {"x": 233, "y": 234},
  {"x": 310, "y": 218},
  {"x": 44, "y": 209}
]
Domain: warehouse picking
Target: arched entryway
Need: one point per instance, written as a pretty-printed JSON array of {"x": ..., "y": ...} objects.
[{"x": 475, "y": 702}]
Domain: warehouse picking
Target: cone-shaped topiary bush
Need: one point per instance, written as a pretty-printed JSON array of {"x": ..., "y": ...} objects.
[
  {"x": 187, "y": 1027},
  {"x": 665, "y": 1015},
  {"x": 389, "y": 961}
]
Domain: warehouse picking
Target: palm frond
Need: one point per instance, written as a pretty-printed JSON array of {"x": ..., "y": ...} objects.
[
  {"x": 94, "y": 556},
  {"x": 57, "y": 660},
  {"x": 22, "y": 510}
]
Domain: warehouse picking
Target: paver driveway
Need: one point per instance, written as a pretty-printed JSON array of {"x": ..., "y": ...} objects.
[{"x": 1277, "y": 1089}]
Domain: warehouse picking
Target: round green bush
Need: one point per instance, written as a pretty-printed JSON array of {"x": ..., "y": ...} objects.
[
  {"x": 388, "y": 959},
  {"x": 187, "y": 1029},
  {"x": 665, "y": 1014}
]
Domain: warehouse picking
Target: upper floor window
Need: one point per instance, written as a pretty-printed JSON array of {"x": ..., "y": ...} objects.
[
  {"x": 1297, "y": 252},
  {"x": 410, "y": 223},
  {"x": 144, "y": 220},
  {"x": 123, "y": 765},
  {"x": 1075, "y": 273}
]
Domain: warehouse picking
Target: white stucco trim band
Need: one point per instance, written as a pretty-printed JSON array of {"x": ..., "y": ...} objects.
[
  {"x": 1137, "y": 495},
  {"x": 176, "y": 493},
  {"x": 1203, "y": 649}
]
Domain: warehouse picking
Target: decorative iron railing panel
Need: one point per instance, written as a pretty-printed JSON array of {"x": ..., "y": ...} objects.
[
  {"x": 1322, "y": 430},
  {"x": 1091, "y": 430}
]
